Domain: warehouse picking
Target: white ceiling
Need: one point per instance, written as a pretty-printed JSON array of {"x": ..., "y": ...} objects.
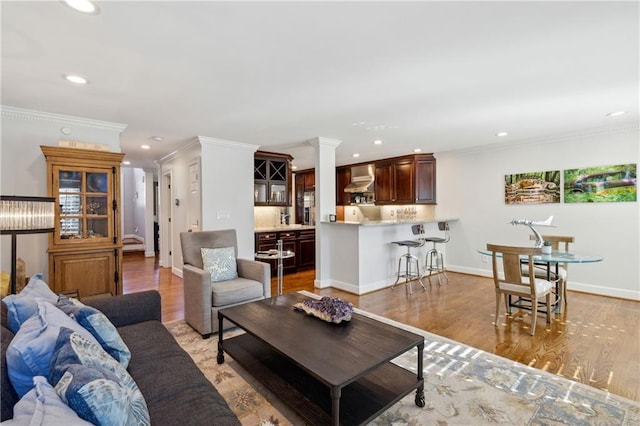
[{"x": 432, "y": 75}]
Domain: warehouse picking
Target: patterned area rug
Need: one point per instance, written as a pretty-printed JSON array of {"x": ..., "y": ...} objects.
[{"x": 463, "y": 386}]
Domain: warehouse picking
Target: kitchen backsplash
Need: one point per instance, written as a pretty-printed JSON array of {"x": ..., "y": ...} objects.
[
  {"x": 370, "y": 213},
  {"x": 269, "y": 217}
]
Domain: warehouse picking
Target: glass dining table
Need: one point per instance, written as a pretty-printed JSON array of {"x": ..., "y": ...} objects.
[{"x": 551, "y": 260}]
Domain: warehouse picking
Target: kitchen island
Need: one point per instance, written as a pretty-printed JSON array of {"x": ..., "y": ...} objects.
[{"x": 362, "y": 257}]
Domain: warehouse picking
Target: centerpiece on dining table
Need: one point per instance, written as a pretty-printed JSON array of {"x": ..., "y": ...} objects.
[{"x": 329, "y": 309}]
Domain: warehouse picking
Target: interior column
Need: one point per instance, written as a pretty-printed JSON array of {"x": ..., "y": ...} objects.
[{"x": 325, "y": 176}]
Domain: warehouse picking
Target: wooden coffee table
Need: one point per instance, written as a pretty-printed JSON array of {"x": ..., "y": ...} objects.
[{"x": 328, "y": 373}]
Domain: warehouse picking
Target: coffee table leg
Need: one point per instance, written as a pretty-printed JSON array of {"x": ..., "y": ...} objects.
[
  {"x": 420, "y": 391},
  {"x": 335, "y": 405},
  {"x": 220, "y": 357}
]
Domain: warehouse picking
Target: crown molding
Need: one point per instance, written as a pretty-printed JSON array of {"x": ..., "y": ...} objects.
[
  {"x": 205, "y": 140},
  {"x": 320, "y": 140},
  {"x": 543, "y": 140},
  {"x": 48, "y": 117}
]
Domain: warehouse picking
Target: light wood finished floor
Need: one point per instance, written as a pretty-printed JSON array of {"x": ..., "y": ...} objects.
[{"x": 596, "y": 341}]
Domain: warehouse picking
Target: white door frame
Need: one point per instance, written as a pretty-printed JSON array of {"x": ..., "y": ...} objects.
[{"x": 166, "y": 224}]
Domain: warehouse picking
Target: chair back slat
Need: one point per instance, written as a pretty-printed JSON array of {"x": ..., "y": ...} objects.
[
  {"x": 512, "y": 258},
  {"x": 556, "y": 241}
]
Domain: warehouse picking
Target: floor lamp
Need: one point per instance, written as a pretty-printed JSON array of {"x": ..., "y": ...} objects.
[{"x": 25, "y": 215}]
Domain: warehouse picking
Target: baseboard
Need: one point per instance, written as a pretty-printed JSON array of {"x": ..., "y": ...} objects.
[
  {"x": 176, "y": 271},
  {"x": 571, "y": 285},
  {"x": 149, "y": 254}
]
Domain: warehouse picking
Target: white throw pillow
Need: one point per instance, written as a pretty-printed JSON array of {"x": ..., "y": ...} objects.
[{"x": 220, "y": 263}]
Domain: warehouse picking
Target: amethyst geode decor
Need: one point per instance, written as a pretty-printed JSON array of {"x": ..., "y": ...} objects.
[{"x": 329, "y": 309}]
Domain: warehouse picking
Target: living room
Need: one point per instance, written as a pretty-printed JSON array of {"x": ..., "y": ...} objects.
[{"x": 470, "y": 178}]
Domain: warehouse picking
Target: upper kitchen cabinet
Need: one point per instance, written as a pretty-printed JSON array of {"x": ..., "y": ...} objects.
[
  {"x": 410, "y": 179},
  {"x": 272, "y": 179},
  {"x": 425, "y": 179},
  {"x": 85, "y": 249},
  {"x": 394, "y": 181},
  {"x": 343, "y": 178}
]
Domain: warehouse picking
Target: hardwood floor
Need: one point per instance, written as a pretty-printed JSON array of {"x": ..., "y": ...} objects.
[{"x": 596, "y": 340}]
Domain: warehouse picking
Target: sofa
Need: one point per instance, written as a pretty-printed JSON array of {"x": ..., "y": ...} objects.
[
  {"x": 175, "y": 390},
  {"x": 204, "y": 293}
]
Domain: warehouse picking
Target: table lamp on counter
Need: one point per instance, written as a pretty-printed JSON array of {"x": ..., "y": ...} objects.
[{"x": 25, "y": 215}]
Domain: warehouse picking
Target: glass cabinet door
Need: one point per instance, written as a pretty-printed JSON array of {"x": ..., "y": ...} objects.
[{"x": 83, "y": 204}]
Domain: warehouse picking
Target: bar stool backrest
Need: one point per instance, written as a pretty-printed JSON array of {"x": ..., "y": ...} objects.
[{"x": 444, "y": 226}]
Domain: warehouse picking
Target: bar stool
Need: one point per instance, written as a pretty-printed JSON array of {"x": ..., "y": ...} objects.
[
  {"x": 410, "y": 260},
  {"x": 435, "y": 260}
]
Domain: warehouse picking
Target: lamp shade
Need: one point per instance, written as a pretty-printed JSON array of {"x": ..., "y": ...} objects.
[{"x": 26, "y": 215}]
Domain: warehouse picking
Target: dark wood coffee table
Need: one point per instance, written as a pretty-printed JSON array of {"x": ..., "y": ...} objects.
[{"x": 328, "y": 373}]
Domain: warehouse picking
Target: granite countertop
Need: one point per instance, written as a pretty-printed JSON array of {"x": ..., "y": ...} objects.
[
  {"x": 278, "y": 228},
  {"x": 392, "y": 222}
]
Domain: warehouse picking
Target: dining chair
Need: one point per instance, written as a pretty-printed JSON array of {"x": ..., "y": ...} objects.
[
  {"x": 511, "y": 282},
  {"x": 558, "y": 243}
]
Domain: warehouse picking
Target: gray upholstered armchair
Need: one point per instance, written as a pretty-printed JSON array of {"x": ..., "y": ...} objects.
[{"x": 202, "y": 298}]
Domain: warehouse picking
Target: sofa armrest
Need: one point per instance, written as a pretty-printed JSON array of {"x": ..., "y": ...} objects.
[
  {"x": 258, "y": 271},
  {"x": 197, "y": 298},
  {"x": 127, "y": 309}
]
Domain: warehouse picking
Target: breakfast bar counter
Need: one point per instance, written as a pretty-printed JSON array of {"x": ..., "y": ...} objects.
[{"x": 362, "y": 257}]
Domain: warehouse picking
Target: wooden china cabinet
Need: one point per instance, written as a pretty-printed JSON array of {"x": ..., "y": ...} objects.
[{"x": 85, "y": 249}]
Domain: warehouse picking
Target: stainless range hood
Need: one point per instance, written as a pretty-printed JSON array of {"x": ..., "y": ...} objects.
[{"x": 362, "y": 179}]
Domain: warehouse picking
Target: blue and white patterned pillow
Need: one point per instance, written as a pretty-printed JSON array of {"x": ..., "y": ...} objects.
[
  {"x": 42, "y": 406},
  {"x": 99, "y": 326},
  {"x": 21, "y": 306},
  {"x": 220, "y": 263},
  {"x": 94, "y": 384},
  {"x": 30, "y": 351}
]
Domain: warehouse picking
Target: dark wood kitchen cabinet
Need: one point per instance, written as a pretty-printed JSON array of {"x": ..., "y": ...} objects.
[
  {"x": 343, "y": 178},
  {"x": 272, "y": 179},
  {"x": 425, "y": 180},
  {"x": 302, "y": 243},
  {"x": 269, "y": 241},
  {"x": 307, "y": 249},
  {"x": 409, "y": 179},
  {"x": 394, "y": 182}
]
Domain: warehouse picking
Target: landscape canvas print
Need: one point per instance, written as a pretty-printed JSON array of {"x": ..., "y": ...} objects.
[
  {"x": 601, "y": 184},
  {"x": 532, "y": 188}
]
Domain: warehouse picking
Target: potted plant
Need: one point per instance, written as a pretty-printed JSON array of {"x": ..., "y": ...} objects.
[{"x": 546, "y": 247}]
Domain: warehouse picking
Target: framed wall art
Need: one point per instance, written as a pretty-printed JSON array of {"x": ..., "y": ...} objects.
[
  {"x": 532, "y": 188},
  {"x": 601, "y": 184}
]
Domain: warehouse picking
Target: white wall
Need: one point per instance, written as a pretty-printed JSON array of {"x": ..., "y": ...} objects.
[
  {"x": 471, "y": 187},
  {"x": 177, "y": 165},
  {"x": 227, "y": 190},
  {"x": 23, "y": 166}
]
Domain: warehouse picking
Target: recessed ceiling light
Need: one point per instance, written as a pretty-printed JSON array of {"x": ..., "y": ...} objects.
[
  {"x": 145, "y": 147},
  {"x": 417, "y": 150},
  {"x": 157, "y": 138},
  {"x": 84, "y": 6},
  {"x": 377, "y": 142},
  {"x": 126, "y": 163},
  {"x": 501, "y": 134},
  {"x": 356, "y": 155},
  {"x": 613, "y": 114},
  {"x": 75, "y": 78}
]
